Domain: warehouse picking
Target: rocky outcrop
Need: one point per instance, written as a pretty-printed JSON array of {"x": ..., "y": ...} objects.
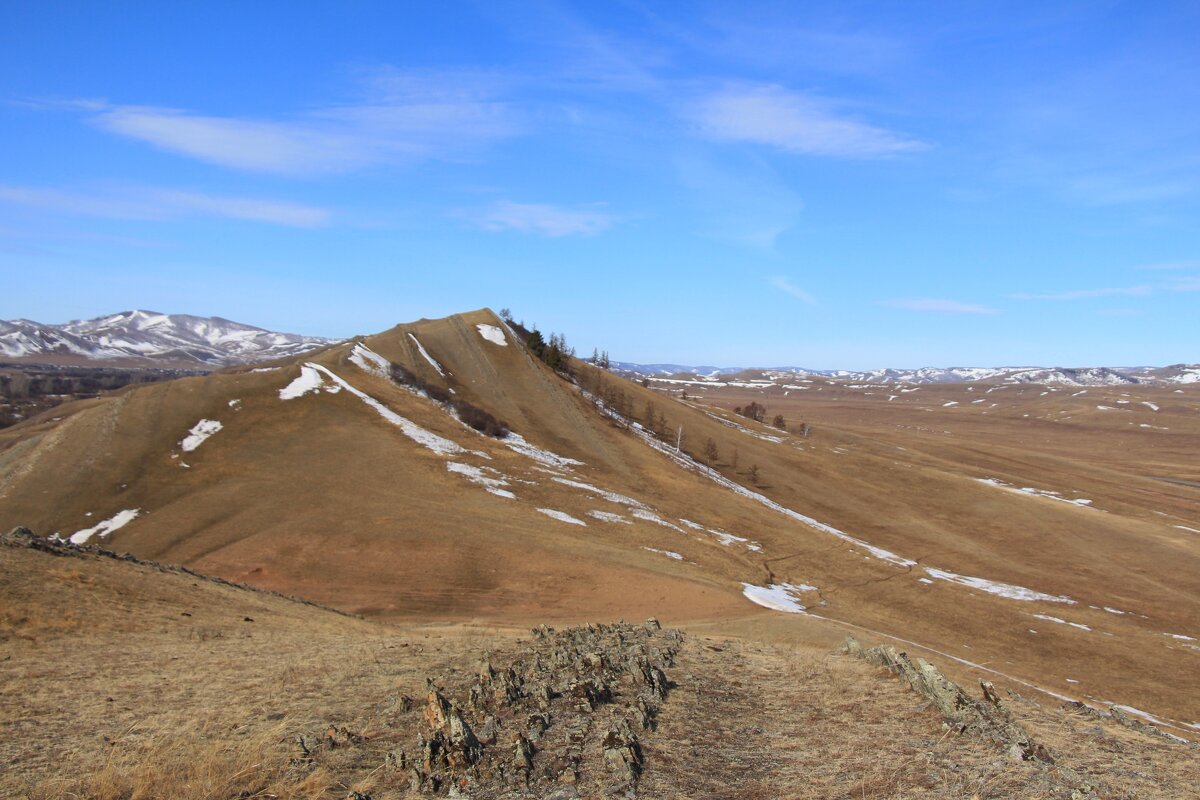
[
  {"x": 989, "y": 717},
  {"x": 565, "y": 717}
]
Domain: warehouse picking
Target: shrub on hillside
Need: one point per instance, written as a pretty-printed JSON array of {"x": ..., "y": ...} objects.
[
  {"x": 754, "y": 411},
  {"x": 479, "y": 419},
  {"x": 473, "y": 416}
]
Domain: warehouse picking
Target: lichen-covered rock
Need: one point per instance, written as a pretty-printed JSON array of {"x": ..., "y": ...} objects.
[
  {"x": 988, "y": 718},
  {"x": 571, "y": 704}
]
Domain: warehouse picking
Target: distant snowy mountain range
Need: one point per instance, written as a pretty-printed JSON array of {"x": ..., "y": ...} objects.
[
  {"x": 150, "y": 338},
  {"x": 1087, "y": 376},
  {"x": 153, "y": 339}
]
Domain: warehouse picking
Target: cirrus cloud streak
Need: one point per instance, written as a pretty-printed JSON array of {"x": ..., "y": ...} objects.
[
  {"x": 787, "y": 120},
  {"x": 541, "y": 219},
  {"x": 144, "y": 203}
]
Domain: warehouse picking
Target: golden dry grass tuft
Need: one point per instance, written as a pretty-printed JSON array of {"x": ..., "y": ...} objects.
[{"x": 188, "y": 768}]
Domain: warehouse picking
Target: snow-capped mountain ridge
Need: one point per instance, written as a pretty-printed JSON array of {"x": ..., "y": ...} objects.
[
  {"x": 1068, "y": 376},
  {"x": 152, "y": 337}
]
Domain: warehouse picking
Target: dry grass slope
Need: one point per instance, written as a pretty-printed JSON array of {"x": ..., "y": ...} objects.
[{"x": 163, "y": 688}]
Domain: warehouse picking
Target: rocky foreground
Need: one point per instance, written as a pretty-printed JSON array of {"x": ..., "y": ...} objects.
[
  {"x": 121, "y": 679},
  {"x": 564, "y": 719}
]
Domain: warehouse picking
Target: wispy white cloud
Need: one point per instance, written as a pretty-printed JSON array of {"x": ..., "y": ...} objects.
[
  {"x": 159, "y": 204},
  {"x": 937, "y": 305},
  {"x": 1084, "y": 294},
  {"x": 794, "y": 122},
  {"x": 404, "y": 118},
  {"x": 542, "y": 219},
  {"x": 784, "y": 285}
]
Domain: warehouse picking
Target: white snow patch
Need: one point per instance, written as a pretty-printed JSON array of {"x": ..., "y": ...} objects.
[
  {"x": 728, "y": 538},
  {"x": 1180, "y": 637},
  {"x": 778, "y": 596},
  {"x": 951, "y": 403},
  {"x": 432, "y": 362},
  {"x": 1061, "y": 621},
  {"x": 650, "y": 516},
  {"x": 608, "y": 516},
  {"x": 309, "y": 381},
  {"x": 1149, "y": 405},
  {"x": 925, "y": 580},
  {"x": 199, "y": 432},
  {"x": 1009, "y": 590},
  {"x": 370, "y": 361},
  {"x": 611, "y": 497},
  {"x": 1186, "y": 528},
  {"x": 517, "y": 443},
  {"x": 428, "y": 439},
  {"x": 561, "y": 516},
  {"x": 492, "y": 334},
  {"x": 1080, "y": 502},
  {"x": 108, "y": 526},
  {"x": 721, "y": 536},
  {"x": 730, "y": 423},
  {"x": 235, "y": 402},
  {"x": 667, "y": 553},
  {"x": 1114, "y": 610},
  {"x": 491, "y": 479}
]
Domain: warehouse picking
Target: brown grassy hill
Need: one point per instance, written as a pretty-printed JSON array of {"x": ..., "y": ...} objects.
[
  {"x": 122, "y": 680},
  {"x": 367, "y": 496}
]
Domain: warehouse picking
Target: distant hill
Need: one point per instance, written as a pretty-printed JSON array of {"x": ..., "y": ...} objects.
[
  {"x": 1069, "y": 376},
  {"x": 148, "y": 338}
]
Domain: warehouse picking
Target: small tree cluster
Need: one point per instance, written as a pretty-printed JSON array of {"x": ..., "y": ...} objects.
[
  {"x": 607, "y": 392},
  {"x": 779, "y": 422},
  {"x": 471, "y": 415},
  {"x": 553, "y": 352},
  {"x": 654, "y": 420},
  {"x": 754, "y": 411},
  {"x": 600, "y": 359}
]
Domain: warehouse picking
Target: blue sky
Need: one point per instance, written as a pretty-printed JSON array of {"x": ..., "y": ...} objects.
[{"x": 827, "y": 185}]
